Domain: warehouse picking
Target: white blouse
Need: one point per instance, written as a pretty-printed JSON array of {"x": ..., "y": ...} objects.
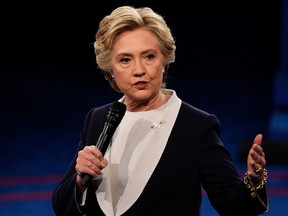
[{"x": 136, "y": 148}]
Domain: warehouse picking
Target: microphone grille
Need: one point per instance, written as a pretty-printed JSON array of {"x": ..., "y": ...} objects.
[
  {"x": 116, "y": 113},
  {"x": 120, "y": 107}
]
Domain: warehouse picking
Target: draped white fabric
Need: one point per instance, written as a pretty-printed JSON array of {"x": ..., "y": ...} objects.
[{"x": 137, "y": 146}]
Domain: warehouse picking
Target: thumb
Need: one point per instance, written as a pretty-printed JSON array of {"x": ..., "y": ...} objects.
[{"x": 258, "y": 139}]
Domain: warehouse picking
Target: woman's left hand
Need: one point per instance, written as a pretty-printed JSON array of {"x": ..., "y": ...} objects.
[{"x": 256, "y": 162}]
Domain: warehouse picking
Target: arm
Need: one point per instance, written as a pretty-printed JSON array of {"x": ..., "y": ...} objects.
[
  {"x": 225, "y": 188},
  {"x": 66, "y": 198}
]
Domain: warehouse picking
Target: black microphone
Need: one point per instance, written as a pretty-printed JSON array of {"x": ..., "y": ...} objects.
[{"x": 114, "y": 117}]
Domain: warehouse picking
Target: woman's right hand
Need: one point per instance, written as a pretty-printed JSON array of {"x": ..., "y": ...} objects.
[{"x": 90, "y": 161}]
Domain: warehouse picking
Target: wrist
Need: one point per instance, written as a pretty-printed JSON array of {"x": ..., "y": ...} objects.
[
  {"x": 80, "y": 188},
  {"x": 251, "y": 186}
]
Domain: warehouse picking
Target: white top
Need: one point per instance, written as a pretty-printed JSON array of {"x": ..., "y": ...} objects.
[{"x": 136, "y": 148}]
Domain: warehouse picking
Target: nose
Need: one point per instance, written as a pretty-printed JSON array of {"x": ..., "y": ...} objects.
[{"x": 139, "y": 69}]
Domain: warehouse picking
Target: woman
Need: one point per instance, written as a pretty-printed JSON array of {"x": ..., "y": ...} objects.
[{"x": 164, "y": 150}]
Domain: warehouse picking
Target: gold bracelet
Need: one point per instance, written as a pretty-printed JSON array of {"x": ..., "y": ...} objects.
[{"x": 254, "y": 190}]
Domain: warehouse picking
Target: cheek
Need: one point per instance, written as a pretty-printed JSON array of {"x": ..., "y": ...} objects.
[
  {"x": 122, "y": 77},
  {"x": 157, "y": 76},
  {"x": 122, "y": 80}
]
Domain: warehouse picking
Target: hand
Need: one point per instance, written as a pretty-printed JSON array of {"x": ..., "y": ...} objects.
[
  {"x": 91, "y": 161},
  {"x": 256, "y": 161}
]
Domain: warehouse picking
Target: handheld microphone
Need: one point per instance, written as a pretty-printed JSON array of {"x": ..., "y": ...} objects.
[{"x": 114, "y": 117}]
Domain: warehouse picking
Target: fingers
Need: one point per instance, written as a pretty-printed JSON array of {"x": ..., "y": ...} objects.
[
  {"x": 258, "y": 170},
  {"x": 256, "y": 158},
  {"x": 256, "y": 155},
  {"x": 90, "y": 160},
  {"x": 256, "y": 161}
]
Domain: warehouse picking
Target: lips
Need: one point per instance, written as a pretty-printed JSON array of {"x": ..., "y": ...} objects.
[{"x": 141, "y": 84}]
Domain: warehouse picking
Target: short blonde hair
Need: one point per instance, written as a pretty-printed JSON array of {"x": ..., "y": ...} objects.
[{"x": 127, "y": 18}]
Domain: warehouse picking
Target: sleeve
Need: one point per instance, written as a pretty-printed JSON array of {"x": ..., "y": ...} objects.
[
  {"x": 64, "y": 200},
  {"x": 221, "y": 181}
]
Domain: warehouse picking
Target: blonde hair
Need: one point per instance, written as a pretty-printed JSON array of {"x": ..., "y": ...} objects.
[{"x": 127, "y": 18}]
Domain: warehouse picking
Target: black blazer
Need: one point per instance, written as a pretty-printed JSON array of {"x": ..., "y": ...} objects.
[{"x": 194, "y": 156}]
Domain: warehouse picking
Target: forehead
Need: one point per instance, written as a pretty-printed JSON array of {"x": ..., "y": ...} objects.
[{"x": 135, "y": 39}]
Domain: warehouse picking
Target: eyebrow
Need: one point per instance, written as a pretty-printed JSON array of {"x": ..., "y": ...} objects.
[{"x": 143, "y": 52}]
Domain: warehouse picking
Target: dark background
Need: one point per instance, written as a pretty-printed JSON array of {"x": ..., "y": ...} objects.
[
  {"x": 49, "y": 73},
  {"x": 227, "y": 58},
  {"x": 47, "y": 53},
  {"x": 212, "y": 41}
]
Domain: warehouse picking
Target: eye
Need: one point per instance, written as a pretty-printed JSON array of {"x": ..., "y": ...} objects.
[
  {"x": 125, "y": 60},
  {"x": 150, "y": 56}
]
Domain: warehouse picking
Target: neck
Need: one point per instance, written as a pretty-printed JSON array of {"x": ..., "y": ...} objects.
[{"x": 138, "y": 106}]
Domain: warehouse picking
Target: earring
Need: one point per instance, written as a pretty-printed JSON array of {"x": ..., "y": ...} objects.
[
  {"x": 163, "y": 70},
  {"x": 113, "y": 77}
]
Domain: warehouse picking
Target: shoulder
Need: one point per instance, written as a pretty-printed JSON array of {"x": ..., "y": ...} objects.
[
  {"x": 97, "y": 113},
  {"x": 195, "y": 111},
  {"x": 191, "y": 115},
  {"x": 100, "y": 109}
]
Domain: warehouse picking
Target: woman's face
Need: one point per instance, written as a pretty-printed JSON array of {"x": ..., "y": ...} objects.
[{"x": 138, "y": 65}]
